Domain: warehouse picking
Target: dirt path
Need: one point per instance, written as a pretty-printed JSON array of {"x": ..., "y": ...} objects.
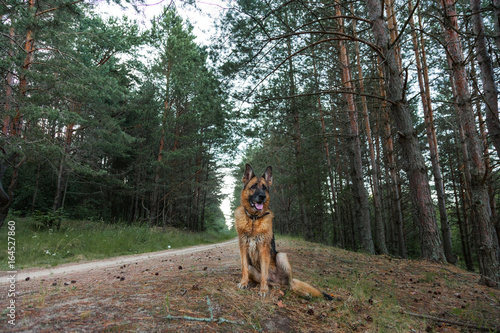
[
  {"x": 116, "y": 261},
  {"x": 195, "y": 290}
]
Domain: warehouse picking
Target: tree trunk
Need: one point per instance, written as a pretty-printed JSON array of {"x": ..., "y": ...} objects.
[
  {"x": 9, "y": 82},
  {"x": 153, "y": 213},
  {"x": 432, "y": 139},
  {"x": 414, "y": 165},
  {"x": 462, "y": 224},
  {"x": 490, "y": 91},
  {"x": 482, "y": 226},
  {"x": 496, "y": 18},
  {"x": 333, "y": 194},
  {"x": 297, "y": 146},
  {"x": 388, "y": 145},
  {"x": 380, "y": 242},
  {"x": 362, "y": 207},
  {"x": 62, "y": 176}
]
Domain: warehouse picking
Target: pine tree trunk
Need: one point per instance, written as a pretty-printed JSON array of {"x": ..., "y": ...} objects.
[
  {"x": 490, "y": 90},
  {"x": 414, "y": 164},
  {"x": 399, "y": 225},
  {"x": 153, "y": 211},
  {"x": 34, "y": 197},
  {"x": 482, "y": 226},
  {"x": 333, "y": 198},
  {"x": 9, "y": 83},
  {"x": 360, "y": 194},
  {"x": 388, "y": 146},
  {"x": 432, "y": 140},
  {"x": 496, "y": 19},
  {"x": 380, "y": 242},
  {"x": 338, "y": 180},
  {"x": 62, "y": 173},
  {"x": 297, "y": 147},
  {"x": 462, "y": 224}
]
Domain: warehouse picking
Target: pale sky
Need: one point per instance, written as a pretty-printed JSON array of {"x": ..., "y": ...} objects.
[{"x": 202, "y": 18}]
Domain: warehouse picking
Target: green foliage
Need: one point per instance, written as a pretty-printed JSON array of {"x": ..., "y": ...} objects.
[
  {"x": 115, "y": 138},
  {"x": 48, "y": 221}
]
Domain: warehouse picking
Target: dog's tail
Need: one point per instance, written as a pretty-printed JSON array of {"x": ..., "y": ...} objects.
[
  {"x": 306, "y": 290},
  {"x": 302, "y": 288}
]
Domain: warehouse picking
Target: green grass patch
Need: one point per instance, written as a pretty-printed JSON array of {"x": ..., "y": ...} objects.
[{"x": 89, "y": 240}]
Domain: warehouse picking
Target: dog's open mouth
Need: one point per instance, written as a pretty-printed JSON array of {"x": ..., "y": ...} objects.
[{"x": 257, "y": 205}]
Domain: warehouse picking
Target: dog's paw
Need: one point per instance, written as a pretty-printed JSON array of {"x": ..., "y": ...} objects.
[
  {"x": 263, "y": 292},
  {"x": 243, "y": 285}
]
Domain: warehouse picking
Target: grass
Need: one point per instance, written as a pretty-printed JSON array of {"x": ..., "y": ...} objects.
[{"x": 86, "y": 240}]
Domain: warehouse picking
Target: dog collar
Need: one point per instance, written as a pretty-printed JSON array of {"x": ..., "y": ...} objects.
[{"x": 256, "y": 216}]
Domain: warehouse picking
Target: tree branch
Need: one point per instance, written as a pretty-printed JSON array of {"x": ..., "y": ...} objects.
[
  {"x": 56, "y": 8},
  {"x": 338, "y": 91}
]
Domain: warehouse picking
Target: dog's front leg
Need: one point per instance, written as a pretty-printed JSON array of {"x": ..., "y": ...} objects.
[
  {"x": 244, "y": 265},
  {"x": 265, "y": 259}
]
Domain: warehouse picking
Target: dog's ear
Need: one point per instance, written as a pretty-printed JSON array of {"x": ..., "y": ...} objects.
[
  {"x": 268, "y": 175},
  {"x": 248, "y": 174}
]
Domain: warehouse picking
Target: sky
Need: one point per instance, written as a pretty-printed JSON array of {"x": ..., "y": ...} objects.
[{"x": 202, "y": 17}]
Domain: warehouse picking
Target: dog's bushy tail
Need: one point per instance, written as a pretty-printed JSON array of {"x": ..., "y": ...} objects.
[
  {"x": 304, "y": 289},
  {"x": 301, "y": 288}
]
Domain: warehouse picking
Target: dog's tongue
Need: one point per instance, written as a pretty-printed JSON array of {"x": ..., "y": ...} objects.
[{"x": 259, "y": 206}]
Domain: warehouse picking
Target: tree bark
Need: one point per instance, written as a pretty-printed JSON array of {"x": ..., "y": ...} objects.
[
  {"x": 490, "y": 91},
  {"x": 496, "y": 19},
  {"x": 414, "y": 165},
  {"x": 9, "y": 82},
  {"x": 333, "y": 199},
  {"x": 462, "y": 225},
  {"x": 380, "y": 242},
  {"x": 482, "y": 226},
  {"x": 294, "y": 112},
  {"x": 362, "y": 207},
  {"x": 432, "y": 139}
]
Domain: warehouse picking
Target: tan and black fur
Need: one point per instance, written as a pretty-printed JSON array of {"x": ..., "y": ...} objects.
[{"x": 254, "y": 223}]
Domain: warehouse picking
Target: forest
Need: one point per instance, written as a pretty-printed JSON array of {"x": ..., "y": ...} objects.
[{"x": 380, "y": 119}]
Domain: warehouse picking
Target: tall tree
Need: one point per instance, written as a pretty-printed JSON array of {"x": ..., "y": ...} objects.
[
  {"x": 430, "y": 242},
  {"x": 359, "y": 191},
  {"x": 482, "y": 226},
  {"x": 490, "y": 91},
  {"x": 423, "y": 79},
  {"x": 379, "y": 230}
]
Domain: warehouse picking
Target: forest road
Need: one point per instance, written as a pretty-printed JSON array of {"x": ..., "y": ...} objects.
[{"x": 111, "y": 262}]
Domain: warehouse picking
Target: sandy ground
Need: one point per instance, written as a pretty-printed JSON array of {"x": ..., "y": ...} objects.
[{"x": 107, "y": 263}]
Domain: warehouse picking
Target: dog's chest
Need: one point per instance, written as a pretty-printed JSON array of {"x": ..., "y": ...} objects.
[
  {"x": 253, "y": 243},
  {"x": 253, "y": 248}
]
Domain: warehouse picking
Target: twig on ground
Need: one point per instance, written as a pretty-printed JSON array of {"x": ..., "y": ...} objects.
[{"x": 209, "y": 320}]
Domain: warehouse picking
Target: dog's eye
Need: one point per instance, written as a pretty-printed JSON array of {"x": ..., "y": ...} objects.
[
  {"x": 264, "y": 188},
  {"x": 253, "y": 187}
]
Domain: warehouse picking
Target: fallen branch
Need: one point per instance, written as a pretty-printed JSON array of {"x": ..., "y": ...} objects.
[
  {"x": 453, "y": 322},
  {"x": 209, "y": 320}
]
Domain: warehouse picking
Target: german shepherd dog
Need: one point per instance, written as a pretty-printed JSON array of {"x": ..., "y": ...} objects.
[{"x": 254, "y": 223}]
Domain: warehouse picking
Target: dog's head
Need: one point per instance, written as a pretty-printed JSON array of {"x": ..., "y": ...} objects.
[{"x": 255, "y": 194}]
